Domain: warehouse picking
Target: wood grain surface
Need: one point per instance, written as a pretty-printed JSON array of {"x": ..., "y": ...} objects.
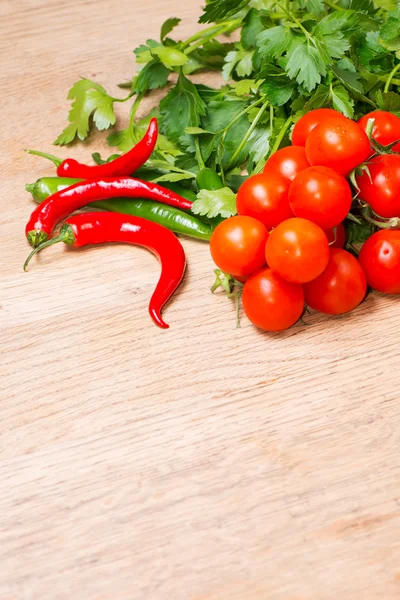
[{"x": 201, "y": 463}]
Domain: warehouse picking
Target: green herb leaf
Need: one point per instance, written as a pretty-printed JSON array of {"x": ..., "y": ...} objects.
[
  {"x": 274, "y": 42},
  {"x": 89, "y": 98},
  {"x": 214, "y": 203},
  {"x": 315, "y": 7},
  {"x": 342, "y": 102},
  {"x": 153, "y": 75},
  {"x": 277, "y": 88},
  {"x": 168, "y": 26},
  {"x": 181, "y": 108},
  {"x": 252, "y": 27},
  {"x": 240, "y": 61},
  {"x": 389, "y": 101},
  {"x": 351, "y": 79},
  {"x": 389, "y": 35},
  {"x": 306, "y": 64},
  {"x": 217, "y": 10},
  {"x": 143, "y": 52}
]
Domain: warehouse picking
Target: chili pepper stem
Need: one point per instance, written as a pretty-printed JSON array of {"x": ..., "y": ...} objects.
[
  {"x": 36, "y": 237},
  {"x": 51, "y": 157},
  {"x": 66, "y": 235}
]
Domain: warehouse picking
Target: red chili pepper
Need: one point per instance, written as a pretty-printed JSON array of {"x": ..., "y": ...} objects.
[
  {"x": 104, "y": 227},
  {"x": 123, "y": 165},
  {"x": 61, "y": 204}
]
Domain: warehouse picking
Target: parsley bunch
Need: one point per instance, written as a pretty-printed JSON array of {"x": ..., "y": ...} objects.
[{"x": 292, "y": 56}]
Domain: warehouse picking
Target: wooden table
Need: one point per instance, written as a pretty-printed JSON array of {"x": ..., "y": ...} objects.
[{"x": 204, "y": 462}]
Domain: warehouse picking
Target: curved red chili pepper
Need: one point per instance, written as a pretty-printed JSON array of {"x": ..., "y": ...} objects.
[
  {"x": 126, "y": 164},
  {"x": 61, "y": 204},
  {"x": 103, "y": 227}
]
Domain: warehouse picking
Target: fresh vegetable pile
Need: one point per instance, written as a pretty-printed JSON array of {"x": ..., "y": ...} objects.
[{"x": 319, "y": 75}]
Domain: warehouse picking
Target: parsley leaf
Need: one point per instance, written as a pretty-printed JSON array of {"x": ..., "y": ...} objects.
[
  {"x": 153, "y": 75},
  {"x": 389, "y": 101},
  {"x": 342, "y": 102},
  {"x": 277, "y": 88},
  {"x": 306, "y": 65},
  {"x": 274, "y": 42},
  {"x": 240, "y": 61},
  {"x": 215, "y": 203},
  {"x": 168, "y": 26},
  {"x": 217, "y": 10},
  {"x": 181, "y": 108},
  {"x": 252, "y": 27},
  {"x": 89, "y": 98},
  {"x": 389, "y": 35}
]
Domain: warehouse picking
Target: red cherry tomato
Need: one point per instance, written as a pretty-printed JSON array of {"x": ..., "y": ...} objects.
[
  {"x": 270, "y": 302},
  {"x": 340, "y": 288},
  {"x": 380, "y": 259},
  {"x": 297, "y": 250},
  {"x": 266, "y": 198},
  {"x": 237, "y": 245},
  {"x": 338, "y": 143},
  {"x": 320, "y": 195},
  {"x": 336, "y": 236},
  {"x": 288, "y": 162},
  {"x": 381, "y": 189},
  {"x": 386, "y": 127},
  {"x": 306, "y": 124}
]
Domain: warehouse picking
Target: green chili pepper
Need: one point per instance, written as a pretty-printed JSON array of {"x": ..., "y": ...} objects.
[
  {"x": 207, "y": 179},
  {"x": 174, "y": 219}
]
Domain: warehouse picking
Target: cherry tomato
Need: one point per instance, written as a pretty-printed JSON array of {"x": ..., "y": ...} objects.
[
  {"x": 266, "y": 198},
  {"x": 386, "y": 127},
  {"x": 306, "y": 124},
  {"x": 297, "y": 250},
  {"x": 288, "y": 162},
  {"x": 381, "y": 189},
  {"x": 380, "y": 259},
  {"x": 237, "y": 245},
  {"x": 338, "y": 143},
  {"x": 270, "y": 302},
  {"x": 340, "y": 288},
  {"x": 320, "y": 195},
  {"x": 336, "y": 236}
]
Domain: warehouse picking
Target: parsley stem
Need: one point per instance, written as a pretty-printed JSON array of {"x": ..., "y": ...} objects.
[
  {"x": 54, "y": 159},
  {"x": 201, "y": 38},
  {"x": 238, "y": 116},
  {"x": 281, "y": 135},
  {"x": 134, "y": 108},
  {"x": 295, "y": 20},
  {"x": 123, "y": 99},
  {"x": 271, "y": 119},
  {"x": 199, "y": 156},
  {"x": 390, "y": 78},
  {"x": 334, "y": 6},
  {"x": 248, "y": 134}
]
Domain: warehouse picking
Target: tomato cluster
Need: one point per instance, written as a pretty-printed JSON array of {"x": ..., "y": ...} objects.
[{"x": 287, "y": 242}]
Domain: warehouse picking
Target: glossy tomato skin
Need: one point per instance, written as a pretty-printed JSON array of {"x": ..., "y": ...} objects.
[
  {"x": 340, "y": 288},
  {"x": 336, "y": 237},
  {"x": 380, "y": 259},
  {"x": 338, "y": 143},
  {"x": 237, "y": 245},
  {"x": 270, "y": 302},
  {"x": 320, "y": 195},
  {"x": 382, "y": 190},
  {"x": 297, "y": 250},
  {"x": 288, "y": 162},
  {"x": 266, "y": 198},
  {"x": 386, "y": 127},
  {"x": 306, "y": 124}
]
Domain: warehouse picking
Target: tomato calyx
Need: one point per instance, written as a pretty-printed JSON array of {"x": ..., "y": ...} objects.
[
  {"x": 358, "y": 172},
  {"x": 232, "y": 288},
  {"x": 378, "y": 221}
]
